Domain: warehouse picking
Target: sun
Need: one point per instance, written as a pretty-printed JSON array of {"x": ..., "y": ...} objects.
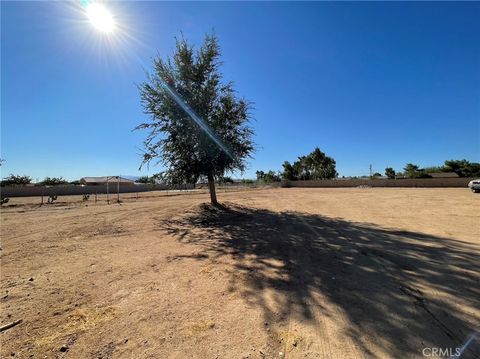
[{"x": 100, "y": 18}]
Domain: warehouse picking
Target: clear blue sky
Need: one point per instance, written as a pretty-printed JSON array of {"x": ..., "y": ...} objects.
[{"x": 381, "y": 83}]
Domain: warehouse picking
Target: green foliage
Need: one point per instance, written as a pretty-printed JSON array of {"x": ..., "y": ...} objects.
[
  {"x": 377, "y": 174},
  {"x": 413, "y": 171},
  {"x": 147, "y": 179},
  {"x": 435, "y": 169},
  {"x": 86, "y": 197},
  {"x": 314, "y": 166},
  {"x": 52, "y": 181},
  {"x": 462, "y": 168},
  {"x": 248, "y": 181},
  {"x": 289, "y": 173},
  {"x": 175, "y": 140},
  {"x": 16, "y": 180},
  {"x": 390, "y": 172},
  {"x": 268, "y": 177}
]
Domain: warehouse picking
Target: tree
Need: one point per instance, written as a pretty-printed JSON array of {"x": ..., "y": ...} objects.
[
  {"x": 52, "y": 181},
  {"x": 463, "y": 168},
  {"x": 198, "y": 126},
  {"x": 390, "y": 172},
  {"x": 260, "y": 175},
  {"x": 376, "y": 174},
  {"x": 413, "y": 171},
  {"x": 315, "y": 165},
  {"x": 268, "y": 177},
  {"x": 16, "y": 180},
  {"x": 146, "y": 180},
  {"x": 289, "y": 172},
  {"x": 320, "y": 165}
]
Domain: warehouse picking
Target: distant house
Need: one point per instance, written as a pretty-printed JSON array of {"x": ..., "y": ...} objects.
[
  {"x": 443, "y": 175},
  {"x": 93, "y": 181}
]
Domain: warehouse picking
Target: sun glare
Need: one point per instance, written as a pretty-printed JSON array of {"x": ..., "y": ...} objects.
[{"x": 100, "y": 18}]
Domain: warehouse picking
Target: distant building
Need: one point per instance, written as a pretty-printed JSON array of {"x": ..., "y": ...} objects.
[
  {"x": 92, "y": 181},
  {"x": 443, "y": 175}
]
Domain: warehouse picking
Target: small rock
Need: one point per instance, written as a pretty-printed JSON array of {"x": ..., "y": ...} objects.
[
  {"x": 64, "y": 348},
  {"x": 280, "y": 354},
  {"x": 294, "y": 343},
  {"x": 31, "y": 279}
]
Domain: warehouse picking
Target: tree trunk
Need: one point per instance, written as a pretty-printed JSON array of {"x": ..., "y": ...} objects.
[{"x": 211, "y": 187}]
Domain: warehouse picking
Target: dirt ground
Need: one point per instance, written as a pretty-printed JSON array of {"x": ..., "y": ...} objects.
[{"x": 296, "y": 273}]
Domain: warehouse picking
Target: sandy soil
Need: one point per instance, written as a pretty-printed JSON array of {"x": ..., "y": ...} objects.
[{"x": 296, "y": 273}]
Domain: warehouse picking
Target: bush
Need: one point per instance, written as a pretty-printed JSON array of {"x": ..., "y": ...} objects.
[{"x": 52, "y": 198}]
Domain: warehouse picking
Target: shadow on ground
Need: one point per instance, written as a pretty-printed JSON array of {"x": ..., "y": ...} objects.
[{"x": 376, "y": 277}]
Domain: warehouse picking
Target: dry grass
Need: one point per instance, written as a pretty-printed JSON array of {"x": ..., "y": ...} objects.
[{"x": 315, "y": 273}]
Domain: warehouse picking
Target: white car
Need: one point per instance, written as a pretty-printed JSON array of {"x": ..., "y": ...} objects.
[{"x": 474, "y": 185}]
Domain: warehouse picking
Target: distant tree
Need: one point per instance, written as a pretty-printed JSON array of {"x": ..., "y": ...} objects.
[
  {"x": 289, "y": 172},
  {"x": 377, "y": 174},
  {"x": 260, "y": 175},
  {"x": 319, "y": 165},
  {"x": 198, "y": 128},
  {"x": 435, "y": 169},
  {"x": 413, "y": 171},
  {"x": 268, "y": 177},
  {"x": 146, "y": 180},
  {"x": 52, "y": 181},
  {"x": 390, "y": 172},
  {"x": 315, "y": 165},
  {"x": 16, "y": 180},
  {"x": 463, "y": 168}
]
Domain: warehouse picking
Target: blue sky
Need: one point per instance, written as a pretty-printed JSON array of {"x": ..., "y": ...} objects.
[{"x": 381, "y": 83}]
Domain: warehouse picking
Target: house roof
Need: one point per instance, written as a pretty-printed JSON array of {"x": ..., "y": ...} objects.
[
  {"x": 443, "y": 175},
  {"x": 105, "y": 179}
]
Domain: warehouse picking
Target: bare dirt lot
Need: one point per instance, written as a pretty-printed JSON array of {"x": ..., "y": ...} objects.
[{"x": 296, "y": 273}]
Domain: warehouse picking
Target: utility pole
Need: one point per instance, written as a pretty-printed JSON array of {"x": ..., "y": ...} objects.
[
  {"x": 118, "y": 189},
  {"x": 370, "y": 170}
]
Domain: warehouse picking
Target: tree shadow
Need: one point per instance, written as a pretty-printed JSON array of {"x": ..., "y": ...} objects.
[{"x": 399, "y": 291}]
